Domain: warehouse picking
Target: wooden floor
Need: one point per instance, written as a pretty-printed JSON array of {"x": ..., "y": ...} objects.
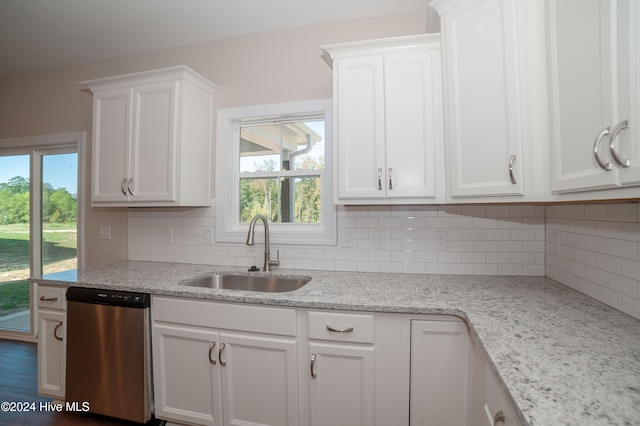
[{"x": 19, "y": 383}]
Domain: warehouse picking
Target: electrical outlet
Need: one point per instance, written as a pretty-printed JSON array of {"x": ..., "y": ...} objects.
[
  {"x": 207, "y": 237},
  {"x": 442, "y": 241},
  {"x": 379, "y": 238},
  {"x": 105, "y": 232}
]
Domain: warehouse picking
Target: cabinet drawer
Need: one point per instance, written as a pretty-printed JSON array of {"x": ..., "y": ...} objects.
[
  {"x": 52, "y": 297},
  {"x": 344, "y": 327},
  {"x": 238, "y": 317}
]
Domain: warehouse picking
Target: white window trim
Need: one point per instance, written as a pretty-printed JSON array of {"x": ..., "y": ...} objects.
[{"x": 228, "y": 227}]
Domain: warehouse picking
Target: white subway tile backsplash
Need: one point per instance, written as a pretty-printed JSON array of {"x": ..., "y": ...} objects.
[
  {"x": 623, "y": 285},
  {"x": 498, "y": 211},
  {"x": 622, "y": 212},
  {"x": 630, "y": 268},
  {"x": 631, "y": 306},
  {"x": 622, "y": 248},
  {"x": 475, "y": 235},
  {"x": 598, "y": 255},
  {"x": 596, "y": 212},
  {"x": 593, "y": 248}
]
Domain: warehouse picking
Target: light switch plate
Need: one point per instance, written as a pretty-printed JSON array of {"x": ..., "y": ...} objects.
[
  {"x": 207, "y": 236},
  {"x": 379, "y": 237},
  {"x": 442, "y": 241}
]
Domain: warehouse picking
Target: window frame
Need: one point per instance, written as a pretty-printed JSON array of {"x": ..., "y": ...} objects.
[{"x": 228, "y": 226}]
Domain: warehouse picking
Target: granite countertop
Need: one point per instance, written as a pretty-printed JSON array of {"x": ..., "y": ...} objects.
[{"x": 565, "y": 358}]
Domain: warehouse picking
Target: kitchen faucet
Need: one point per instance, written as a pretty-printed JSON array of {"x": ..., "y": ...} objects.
[{"x": 268, "y": 263}]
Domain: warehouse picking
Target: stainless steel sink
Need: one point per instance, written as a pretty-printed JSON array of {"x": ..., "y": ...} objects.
[{"x": 273, "y": 284}]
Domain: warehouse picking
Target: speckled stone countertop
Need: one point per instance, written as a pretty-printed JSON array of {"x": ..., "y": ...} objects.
[{"x": 565, "y": 358}]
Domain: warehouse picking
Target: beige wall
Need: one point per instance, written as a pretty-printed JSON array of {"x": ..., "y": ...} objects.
[{"x": 267, "y": 68}]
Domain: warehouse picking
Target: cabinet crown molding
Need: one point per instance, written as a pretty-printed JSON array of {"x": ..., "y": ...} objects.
[
  {"x": 179, "y": 72},
  {"x": 379, "y": 47}
]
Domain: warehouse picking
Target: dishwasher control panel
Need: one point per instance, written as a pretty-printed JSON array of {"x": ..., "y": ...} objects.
[{"x": 108, "y": 297}]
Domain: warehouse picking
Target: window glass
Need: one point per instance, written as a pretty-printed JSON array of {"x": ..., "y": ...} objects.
[{"x": 277, "y": 151}]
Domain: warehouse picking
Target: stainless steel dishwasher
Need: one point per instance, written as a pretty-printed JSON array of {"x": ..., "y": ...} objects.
[{"x": 109, "y": 353}]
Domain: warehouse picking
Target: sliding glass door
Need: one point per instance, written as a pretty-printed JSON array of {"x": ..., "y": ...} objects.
[
  {"x": 15, "y": 269},
  {"x": 59, "y": 212},
  {"x": 38, "y": 222}
]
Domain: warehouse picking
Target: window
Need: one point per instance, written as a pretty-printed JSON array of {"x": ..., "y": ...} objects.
[{"x": 272, "y": 160}]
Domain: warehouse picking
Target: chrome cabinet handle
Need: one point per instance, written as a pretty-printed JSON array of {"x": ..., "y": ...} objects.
[
  {"x": 222, "y": 363},
  {"x": 124, "y": 191},
  {"x": 48, "y": 299},
  {"x": 619, "y": 160},
  {"x": 512, "y": 160},
  {"x": 129, "y": 182},
  {"x": 313, "y": 364},
  {"x": 390, "y": 180},
  {"x": 379, "y": 179},
  {"x": 55, "y": 331},
  {"x": 498, "y": 418},
  {"x": 339, "y": 330},
  {"x": 601, "y": 135},
  {"x": 211, "y": 346}
]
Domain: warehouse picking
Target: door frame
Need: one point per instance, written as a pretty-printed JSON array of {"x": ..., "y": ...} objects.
[{"x": 31, "y": 145}]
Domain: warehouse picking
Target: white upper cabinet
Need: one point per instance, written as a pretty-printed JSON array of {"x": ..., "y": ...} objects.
[
  {"x": 492, "y": 98},
  {"x": 594, "y": 64},
  {"x": 152, "y": 139},
  {"x": 388, "y": 120}
]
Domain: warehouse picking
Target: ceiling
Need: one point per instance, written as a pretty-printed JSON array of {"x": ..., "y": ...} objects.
[{"x": 42, "y": 34}]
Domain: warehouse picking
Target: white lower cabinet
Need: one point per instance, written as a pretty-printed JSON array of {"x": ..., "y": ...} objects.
[
  {"x": 238, "y": 364},
  {"x": 490, "y": 406},
  {"x": 440, "y": 360},
  {"x": 355, "y": 368},
  {"x": 342, "y": 385},
  {"x": 224, "y": 364},
  {"x": 342, "y": 354},
  {"x": 497, "y": 409},
  {"x": 259, "y": 380},
  {"x": 52, "y": 346},
  {"x": 187, "y": 384}
]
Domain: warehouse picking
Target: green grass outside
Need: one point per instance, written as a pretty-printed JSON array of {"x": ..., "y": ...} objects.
[
  {"x": 60, "y": 244},
  {"x": 14, "y": 296}
]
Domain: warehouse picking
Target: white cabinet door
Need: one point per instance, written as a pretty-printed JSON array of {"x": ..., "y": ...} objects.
[
  {"x": 52, "y": 353},
  {"x": 111, "y": 149},
  {"x": 259, "y": 380},
  {"x": 582, "y": 94},
  {"x": 186, "y": 377},
  {"x": 152, "y": 139},
  {"x": 152, "y": 157},
  {"x": 484, "y": 98},
  {"x": 342, "y": 384},
  {"x": 594, "y": 93},
  {"x": 439, "y": 373},
  {"x": 359, "y": 97},
  {"x": 627, "y": 144},
  {"x": 413, "y": 124},
  {"x": 498, "y": 409},
  {"x": 388, "y": 118}
]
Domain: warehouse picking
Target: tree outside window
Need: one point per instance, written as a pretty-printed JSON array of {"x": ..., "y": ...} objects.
[{"x": 278, "y": 152}]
